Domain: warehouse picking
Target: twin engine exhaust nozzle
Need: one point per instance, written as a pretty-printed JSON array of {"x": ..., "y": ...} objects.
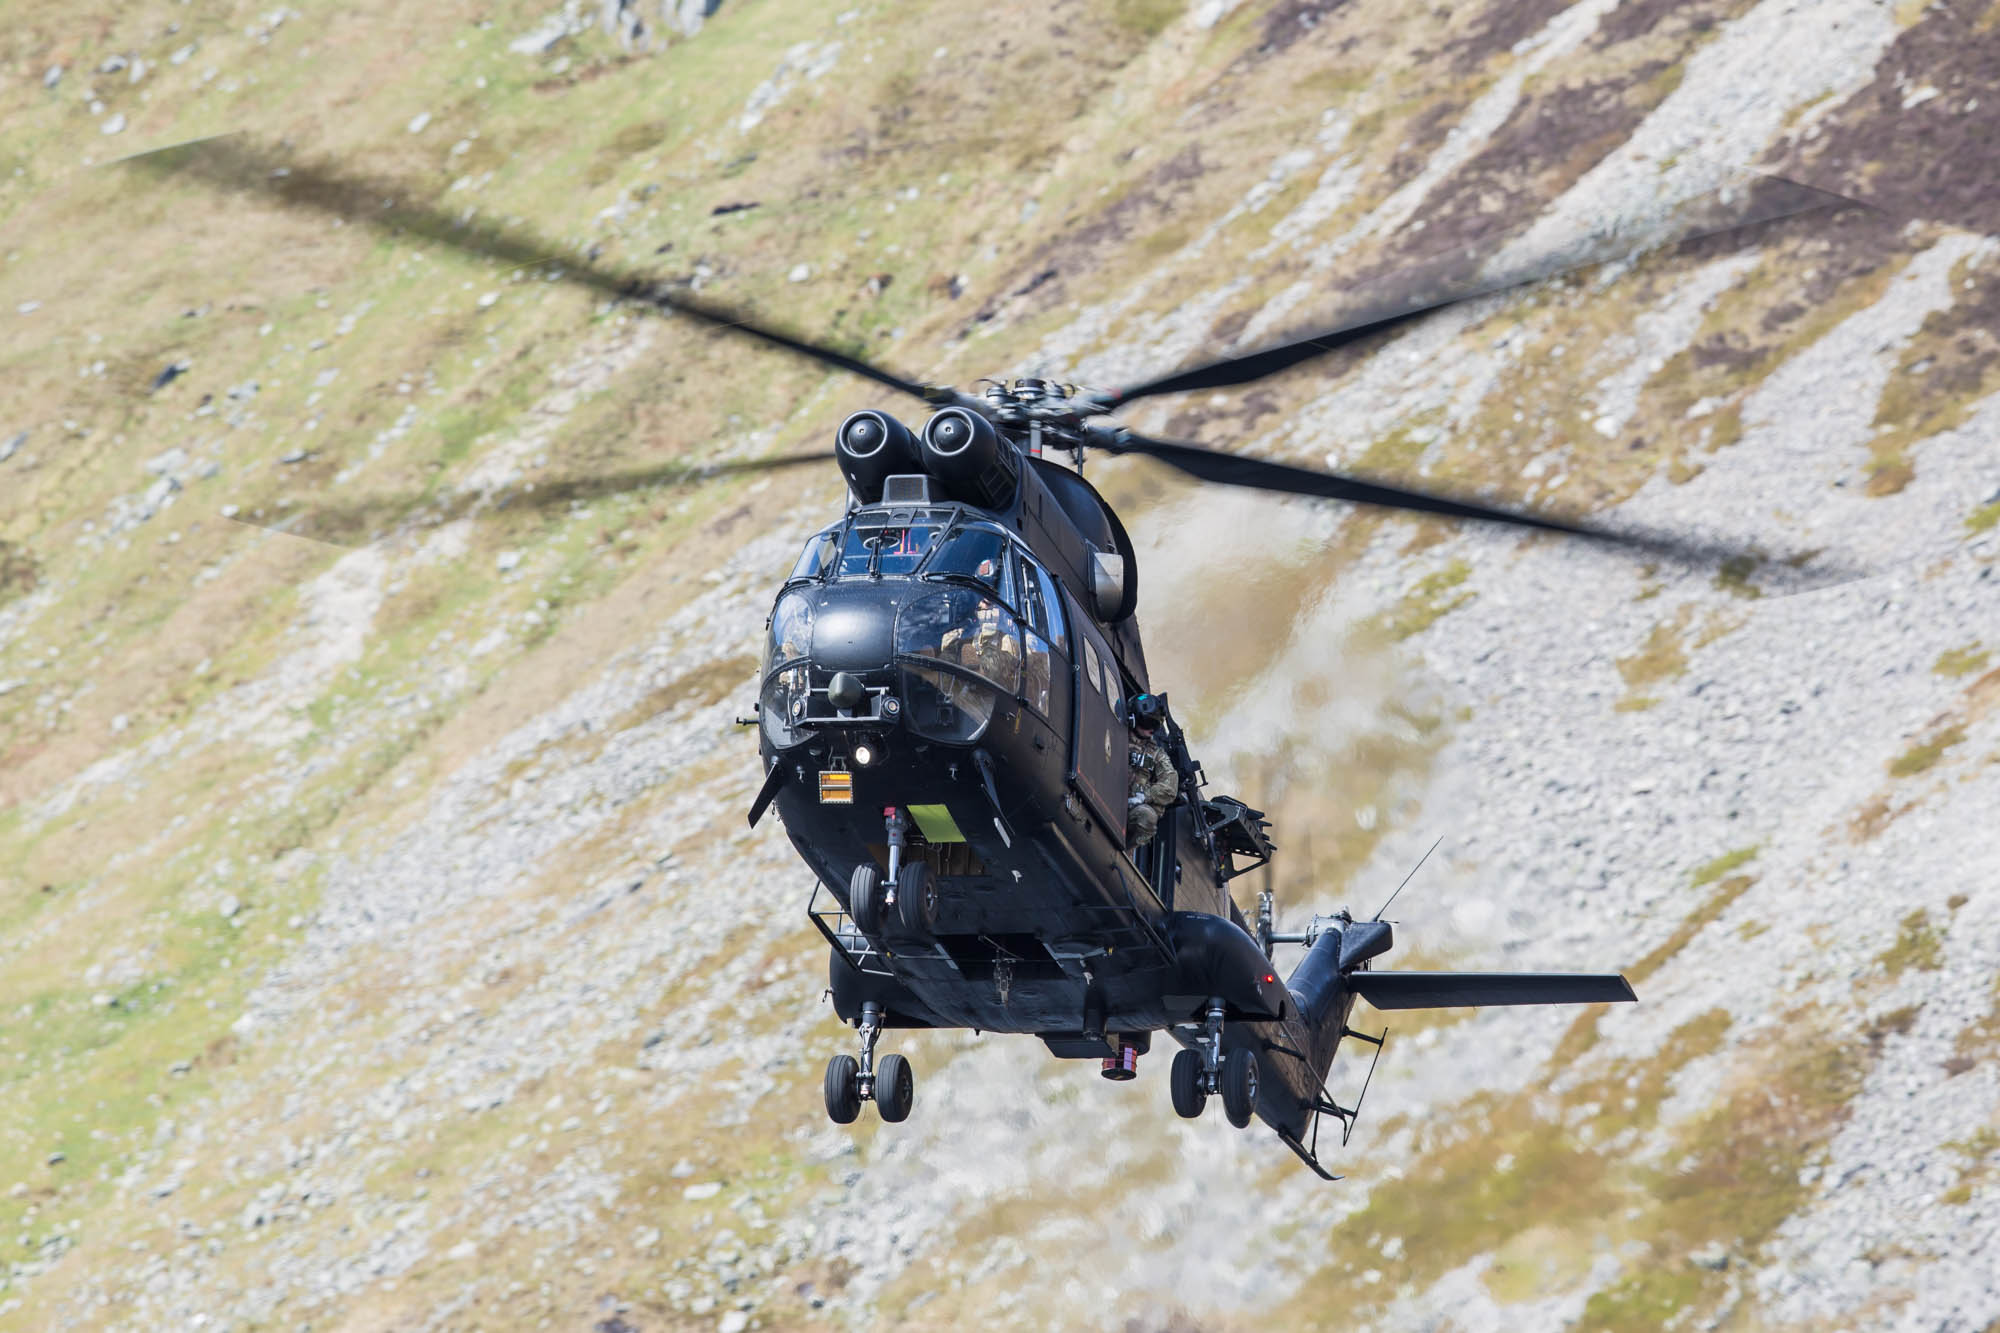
[{"x": 959, "y": 449}]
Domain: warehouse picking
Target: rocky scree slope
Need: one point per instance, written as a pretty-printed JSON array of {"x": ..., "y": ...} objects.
[{"x": 380, "y": 945}]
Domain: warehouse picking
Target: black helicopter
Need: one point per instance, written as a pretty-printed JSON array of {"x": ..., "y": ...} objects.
[
  {"x": 951, "y": 674},
  {"x": 952, "y": 671}
]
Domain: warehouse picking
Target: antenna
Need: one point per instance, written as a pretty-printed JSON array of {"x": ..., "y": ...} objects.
[{"x": 1407, "y": 878}]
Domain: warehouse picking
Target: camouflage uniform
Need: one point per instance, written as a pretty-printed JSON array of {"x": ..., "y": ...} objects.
[{"x": 1154, "y": 787}]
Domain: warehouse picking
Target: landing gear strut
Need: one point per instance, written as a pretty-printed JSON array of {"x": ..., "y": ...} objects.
[
  {"x": 1206, "y": 1070},
  {"x": 851, "y": 1081}
]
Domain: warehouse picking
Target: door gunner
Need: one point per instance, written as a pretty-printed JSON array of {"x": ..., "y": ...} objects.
[{"x": 1155, "y": 784}]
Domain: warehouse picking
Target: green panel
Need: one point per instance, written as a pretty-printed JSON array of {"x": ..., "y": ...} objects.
[{"x": 937, "y": 823}]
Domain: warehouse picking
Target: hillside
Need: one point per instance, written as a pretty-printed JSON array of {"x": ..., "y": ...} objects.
[{"x": 381, "y": 943}]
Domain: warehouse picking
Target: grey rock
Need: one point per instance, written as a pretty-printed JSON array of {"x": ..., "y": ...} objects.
[
  {"x": 543, "y": 37},
  {"x": 686, "y": 16}
]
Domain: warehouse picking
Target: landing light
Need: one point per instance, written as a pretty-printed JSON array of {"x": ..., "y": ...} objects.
[{"x": 865, "y": 753}]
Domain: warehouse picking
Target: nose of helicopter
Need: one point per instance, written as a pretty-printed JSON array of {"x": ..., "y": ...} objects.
[{"x": 854, "y": 633}]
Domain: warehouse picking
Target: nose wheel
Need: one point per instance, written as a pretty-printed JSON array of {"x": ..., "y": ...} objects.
[{"x": 851, "y": 1081}]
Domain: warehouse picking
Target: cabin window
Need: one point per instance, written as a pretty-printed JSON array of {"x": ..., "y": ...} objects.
[{"x": 1093, "y": 667}]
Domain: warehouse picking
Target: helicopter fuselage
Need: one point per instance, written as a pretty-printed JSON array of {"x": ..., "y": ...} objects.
[{"x": 950, "y": 679}]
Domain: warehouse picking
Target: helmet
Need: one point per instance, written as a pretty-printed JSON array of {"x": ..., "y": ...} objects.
[{"x": 1147, "y": 710}]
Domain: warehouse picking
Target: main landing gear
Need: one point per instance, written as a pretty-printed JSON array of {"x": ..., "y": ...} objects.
[
  {"x": 850, "y": 1082},
  {"x": 1206, "y": 1069}
]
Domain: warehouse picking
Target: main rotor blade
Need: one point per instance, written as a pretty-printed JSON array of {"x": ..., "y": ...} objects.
[
  {"x": 1263, "y": 475},
  {"x": 358, "y": 522},
  {"x": 231, "y": 164},
  {"x": 1734, "y": 564},
  {"x": 1770, "y": 199}
]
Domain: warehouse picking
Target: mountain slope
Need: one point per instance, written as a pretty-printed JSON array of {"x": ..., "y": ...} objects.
[{"x": 380, "y": 943}]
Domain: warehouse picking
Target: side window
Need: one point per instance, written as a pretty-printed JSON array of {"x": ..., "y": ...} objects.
[
  {"x": 1093, "y": 667},
  {"x": 1052, "y": 605},
  {"x": 1030, "y": 603}
]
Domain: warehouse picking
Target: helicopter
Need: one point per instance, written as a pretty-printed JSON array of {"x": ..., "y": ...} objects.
[{"x": 952, "y": 678}]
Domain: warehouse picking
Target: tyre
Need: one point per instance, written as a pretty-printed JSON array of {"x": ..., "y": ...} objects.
[
  {"x": 1239, "y": 1085},
  {"x": 895, "y": 1088},
  {"x": 917, "y": 900},
  {"x": 1189, "y": 1096},
  {"x": 843, "y": 1089},
  {"x": 864, "y": 900}
]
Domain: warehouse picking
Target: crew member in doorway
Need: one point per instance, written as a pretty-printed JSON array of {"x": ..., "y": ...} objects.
[{"x": 1154, "y": 782}]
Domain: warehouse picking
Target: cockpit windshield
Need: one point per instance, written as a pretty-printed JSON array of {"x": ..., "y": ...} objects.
[
  {"x": 902, "y": 542},
  {"x": 818, "y": 554},
  {"x": 885, "y": 548},
  {"x": 976, "y": 553}
]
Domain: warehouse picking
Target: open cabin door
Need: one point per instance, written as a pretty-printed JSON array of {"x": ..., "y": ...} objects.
[{"x": 1100, "y": 753}]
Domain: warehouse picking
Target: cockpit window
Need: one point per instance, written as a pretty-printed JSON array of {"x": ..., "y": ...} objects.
[
  {"x": 885, "y": 549},
  {"x": 980, "y": 554},
  {"x": 817, "y": 555}
]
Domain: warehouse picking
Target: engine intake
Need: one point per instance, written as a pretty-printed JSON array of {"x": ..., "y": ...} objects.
[
  {"x": 872, "y": 447},
  {"x": 962, "y": 450}
]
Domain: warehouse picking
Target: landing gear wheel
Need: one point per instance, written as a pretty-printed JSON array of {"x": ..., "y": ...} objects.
[
  {"x": 1239, "y": 1085},
  {"x": 843, "y": 1089},
  {"x": 917, "y": 900},
  {"x": 1189, "y": 1096},
  {"x": 864, "y": 899},
  {"x": 895, "y": 1088}
]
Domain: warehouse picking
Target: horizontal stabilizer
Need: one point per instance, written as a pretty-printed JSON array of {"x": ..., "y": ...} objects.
[{"x": 1451, "y": 990}]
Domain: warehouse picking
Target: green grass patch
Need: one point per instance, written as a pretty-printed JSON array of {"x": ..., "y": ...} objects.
[
  {"x": 1726, "y": 893},
  {"x": 1919, "y": 945},
  {"x": 1979, "y": 1040},
  {"x": 1981, "y": 1154},
  {"x": 1435, "y": 596},
  {"x": 1921, "y": 757},
  {"x": 1146, "y": 19},
  {"x": 1964, "y": 661},
  {"x": 1722, "y": 865},
  {"x": 1662, "y": 657}
]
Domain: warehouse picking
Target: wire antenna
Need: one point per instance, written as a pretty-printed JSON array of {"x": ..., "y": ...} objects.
[{"x": 1407, "y": 878}]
